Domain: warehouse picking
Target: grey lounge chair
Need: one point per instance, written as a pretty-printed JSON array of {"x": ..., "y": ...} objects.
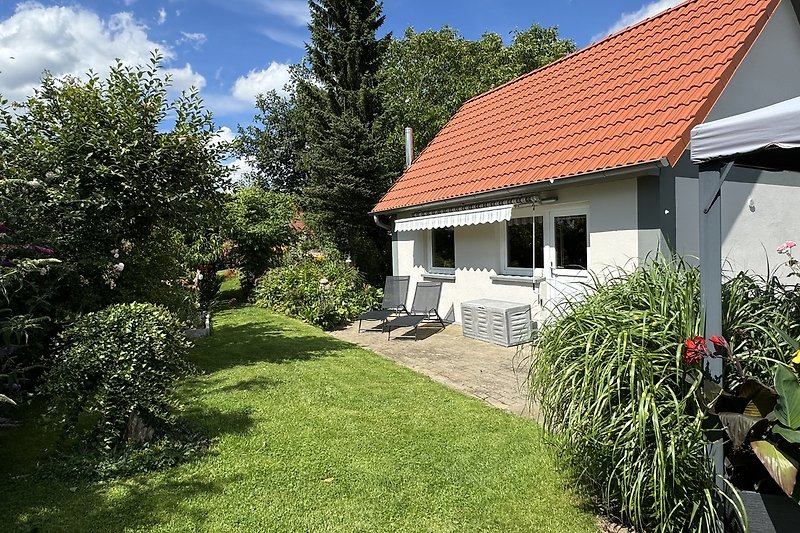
[
  {"x": 425, "y": 307},
  {"x": 395, "y": 293}
]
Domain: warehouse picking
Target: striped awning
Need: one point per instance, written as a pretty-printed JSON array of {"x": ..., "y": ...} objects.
[{"x": 484, "y": 215}]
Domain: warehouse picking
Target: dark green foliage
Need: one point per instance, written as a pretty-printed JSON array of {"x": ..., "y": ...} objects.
[
  {"x": 28, "y": 274},
  {"x": 609, "y": 378},
  {"x": 428, "y": 75},
  {"x": 91, "y": 170},
  {"x": 340, "y": 103},
  {"x": 117, "y": 369},
  {"x": 319, "y": 289},
  {"x": 275, "y": 145},
  {"x": 258, "y": 222}
]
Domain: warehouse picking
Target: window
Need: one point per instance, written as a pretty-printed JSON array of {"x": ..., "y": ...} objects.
[
  {"x": 549, "y": 242},
  {"x": 570, "y": 242},
  {"x": 524, "y": 245},
  {"x": 519, "y": 241},
  {"x": 443, "y": 249}
]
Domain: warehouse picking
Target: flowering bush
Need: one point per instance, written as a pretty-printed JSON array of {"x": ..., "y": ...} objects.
[
  {"x": 320, "y": 289},
  {"x": 786, "y": 249},
  {"x": 25, "y": 288}
]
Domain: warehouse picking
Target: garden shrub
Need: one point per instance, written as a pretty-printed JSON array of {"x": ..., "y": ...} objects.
[
  {"x": 608, "y": 376},
  {"x": 117, "y": 369},
  {"x": 298, "y": 289},
  {"x": 258, "y": 222}
]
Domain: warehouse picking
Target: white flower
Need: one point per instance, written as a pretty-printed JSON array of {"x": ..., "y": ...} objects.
[
  {"x": 119, "y": 267},
  {"x": 199, "y": 277}
]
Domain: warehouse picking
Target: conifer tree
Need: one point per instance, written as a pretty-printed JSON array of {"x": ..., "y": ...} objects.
[{"x": 340, "y": 98}]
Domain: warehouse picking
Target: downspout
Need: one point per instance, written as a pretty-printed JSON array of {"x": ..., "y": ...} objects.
[{"x": 380, "y": 224}]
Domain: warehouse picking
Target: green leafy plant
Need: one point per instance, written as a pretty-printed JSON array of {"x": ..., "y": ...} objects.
[
  {"x": 762, "y": 422},
  {"x": 317, "y": 287},
  {"x": 102, "y": 169},
  {"x": 608, "y": 375},
  {"x": 258, "y": 222},
  {"x": 117, "y": 368}
]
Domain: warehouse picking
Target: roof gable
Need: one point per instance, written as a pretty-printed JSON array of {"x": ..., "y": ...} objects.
[{"x": 631, "y": 98}]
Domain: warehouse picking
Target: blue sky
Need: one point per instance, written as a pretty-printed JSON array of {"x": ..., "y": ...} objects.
[{"x": 234, "y": 49}]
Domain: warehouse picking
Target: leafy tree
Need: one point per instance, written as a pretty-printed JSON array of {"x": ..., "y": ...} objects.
[
  {"x": 92, "y": 171},
  {"x": 274, "y": 145},
  {"x": 428, "y": 75},
  {"x": 259, "y": 224},
  {"x": 339, "y": 96}
]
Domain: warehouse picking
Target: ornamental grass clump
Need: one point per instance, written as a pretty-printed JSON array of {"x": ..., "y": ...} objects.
[{"x": 608, "y": 374}]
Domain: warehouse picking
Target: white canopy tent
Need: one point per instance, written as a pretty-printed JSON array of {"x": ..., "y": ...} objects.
[{"x": 767, "y": 139}]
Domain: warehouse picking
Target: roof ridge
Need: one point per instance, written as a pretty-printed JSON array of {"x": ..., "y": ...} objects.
[{"x": 583, "y": 50}]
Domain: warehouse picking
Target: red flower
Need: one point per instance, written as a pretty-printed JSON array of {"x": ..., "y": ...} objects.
[
  {"x": 720, "y": 345},
  {"x": 695, "y": 350}
]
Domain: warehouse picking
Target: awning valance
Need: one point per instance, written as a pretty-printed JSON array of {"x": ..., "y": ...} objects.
[{"x": 484, "y": 215}]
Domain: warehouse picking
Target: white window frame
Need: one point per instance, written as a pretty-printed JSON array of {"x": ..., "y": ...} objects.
[
  {"x": 503, "y": 236},
  {"x": 550, "y": 240},
  {"x": 548, "y": 214},
  {"x": 440, "y": 270}
]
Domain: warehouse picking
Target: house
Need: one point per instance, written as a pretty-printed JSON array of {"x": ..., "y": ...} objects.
[{"x": 583, "y": 164}]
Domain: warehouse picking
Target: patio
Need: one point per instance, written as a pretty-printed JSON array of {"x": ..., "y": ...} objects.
[{"x": 494, "y": 374}]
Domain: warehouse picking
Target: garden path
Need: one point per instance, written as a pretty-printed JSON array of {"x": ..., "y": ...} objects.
[{"x": 494, "y": 374}]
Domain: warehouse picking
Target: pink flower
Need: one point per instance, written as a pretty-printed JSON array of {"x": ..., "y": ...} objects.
[{"x": 786, "y": 247}]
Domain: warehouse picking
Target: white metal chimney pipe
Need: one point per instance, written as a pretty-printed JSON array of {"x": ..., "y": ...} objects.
[{"x": 409, "y": 146}]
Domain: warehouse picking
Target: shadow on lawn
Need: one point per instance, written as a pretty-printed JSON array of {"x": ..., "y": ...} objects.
[
  {"x": 142, "y": 505},
  {"x": 253, "y": 342},
  {"x": 42, "y": 501}
]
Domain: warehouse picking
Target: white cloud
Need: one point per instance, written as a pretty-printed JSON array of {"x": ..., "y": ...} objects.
[
  {"x": 628, "y": 19},
  {"x": 128, "y": 2},
  {"x": 196, "y": 40},
  {"x": 256, "y": 82},
  {"x": 162, "y": 16},
  {"x": 183, "y": 79},
  {"x": 296, "y": 11},
  {"x": 239, "y": 166},
  {"x": 285, "y": 37},
  {"x": 224, "y": 134},
  {"x": 71, "y": 40}
]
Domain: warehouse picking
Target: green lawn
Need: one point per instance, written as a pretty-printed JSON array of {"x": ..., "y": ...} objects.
[{"x": 312, "y": 434}]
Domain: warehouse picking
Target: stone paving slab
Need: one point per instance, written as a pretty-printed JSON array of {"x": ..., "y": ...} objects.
[{"x": 492, "y": 373}]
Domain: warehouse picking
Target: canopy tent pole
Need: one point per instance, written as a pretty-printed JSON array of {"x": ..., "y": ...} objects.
[{"x": 711, "y": 179}]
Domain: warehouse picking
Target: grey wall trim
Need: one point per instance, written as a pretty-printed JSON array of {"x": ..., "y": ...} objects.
[
  {"x": 648, "y": 202},
  {"x": 667, "y": 212}
]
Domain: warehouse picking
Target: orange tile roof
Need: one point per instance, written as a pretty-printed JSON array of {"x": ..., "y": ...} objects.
[{"x": 631, "y": 98}]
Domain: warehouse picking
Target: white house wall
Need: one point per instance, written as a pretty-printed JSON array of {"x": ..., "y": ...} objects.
[
  {"x": 613, "y": 241},
  {"x": 756, "y": 217},
  {"x": 770, "y": 73}
]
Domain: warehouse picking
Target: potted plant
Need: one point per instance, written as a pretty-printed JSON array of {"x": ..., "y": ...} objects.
[{"x": 762, "y": 426}]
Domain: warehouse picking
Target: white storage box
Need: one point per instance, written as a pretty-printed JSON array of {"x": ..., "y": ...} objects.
[{"x": 503, "y": 323}]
